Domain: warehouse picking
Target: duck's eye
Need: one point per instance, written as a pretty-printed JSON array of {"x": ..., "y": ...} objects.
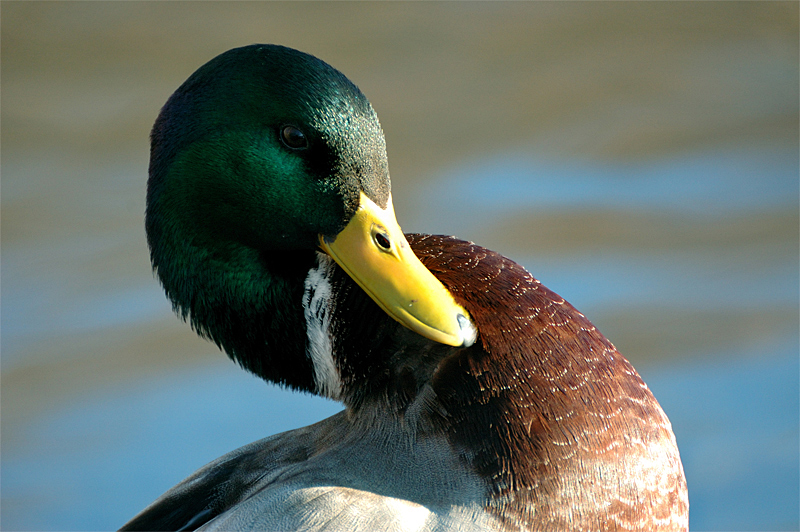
[
  {"x": 293, "y": 138},
  {"x": 382, "y": 239}
]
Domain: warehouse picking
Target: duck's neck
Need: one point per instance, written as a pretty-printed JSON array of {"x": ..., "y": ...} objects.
[{"x": 361, "y": 356}]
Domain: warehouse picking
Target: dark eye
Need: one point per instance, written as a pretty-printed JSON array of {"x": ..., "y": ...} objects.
[
  {"x": 293, "y": 138},
  {"x": 383, "y": 241}
]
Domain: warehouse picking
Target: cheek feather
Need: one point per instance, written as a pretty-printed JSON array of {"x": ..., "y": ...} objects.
[{"x": 317, "y": 309}]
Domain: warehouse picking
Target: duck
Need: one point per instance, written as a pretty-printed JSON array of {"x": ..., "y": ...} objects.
[{"x": 475, "y": 399}]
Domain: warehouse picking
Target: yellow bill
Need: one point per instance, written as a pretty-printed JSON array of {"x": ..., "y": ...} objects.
[{"x": 374, "y": 252}]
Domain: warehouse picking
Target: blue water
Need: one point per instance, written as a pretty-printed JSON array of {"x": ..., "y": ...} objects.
[
  {"x": 727, "y": 180},
  {"x": 93, "y": 464},
  {"x": 697, "y": 280},
  {"x": 736, "y": 422}
]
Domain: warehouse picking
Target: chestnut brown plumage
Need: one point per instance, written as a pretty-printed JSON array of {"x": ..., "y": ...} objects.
[{"x": 571, "y": 436}]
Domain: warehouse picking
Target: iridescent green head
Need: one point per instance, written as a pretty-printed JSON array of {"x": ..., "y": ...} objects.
[{"x": 267, "y": 145}]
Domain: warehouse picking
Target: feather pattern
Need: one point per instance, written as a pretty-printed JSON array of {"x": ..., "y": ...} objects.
[{"x": 572, "y": 438}]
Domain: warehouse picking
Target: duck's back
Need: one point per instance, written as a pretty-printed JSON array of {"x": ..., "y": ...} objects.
[{"x": 336, "y": 476}]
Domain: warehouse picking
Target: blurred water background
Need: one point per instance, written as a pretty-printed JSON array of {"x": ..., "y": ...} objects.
[{"x": 641, "y": 159}]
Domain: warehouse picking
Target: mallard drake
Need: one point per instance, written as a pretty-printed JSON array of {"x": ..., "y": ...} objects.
[{"x": 475, "y": 398}]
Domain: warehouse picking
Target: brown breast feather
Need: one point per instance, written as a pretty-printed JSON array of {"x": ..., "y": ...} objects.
[{"x": 564, "y": 429}]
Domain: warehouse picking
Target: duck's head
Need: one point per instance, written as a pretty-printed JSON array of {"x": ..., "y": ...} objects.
[{"x": 263, "y": 157}]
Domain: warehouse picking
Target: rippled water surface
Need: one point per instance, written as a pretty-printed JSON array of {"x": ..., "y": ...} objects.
[{"x": 641, "y": 159}]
